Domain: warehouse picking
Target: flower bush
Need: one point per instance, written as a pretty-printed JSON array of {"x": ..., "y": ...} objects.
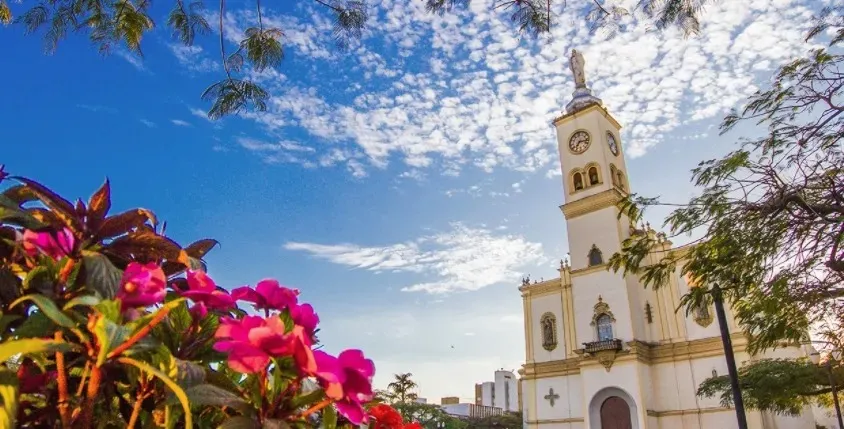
[{"x": 107, "y": 322}]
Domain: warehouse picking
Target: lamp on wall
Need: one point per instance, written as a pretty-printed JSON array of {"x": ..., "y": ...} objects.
[{"x": 835, "y": 355}]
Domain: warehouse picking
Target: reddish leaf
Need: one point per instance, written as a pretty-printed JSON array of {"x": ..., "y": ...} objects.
[
  {"x": 200, "y": 248},
  {"x": 46, "y": 216},
  {"x": 146, "y": 245},
  {"x": 98, "y": 206},
  {"x": 20, "y": 194},
  {"x": 61, "y": 207},
  {"x": 80, "y": 208},
  {"x": 123, "y": 223}
]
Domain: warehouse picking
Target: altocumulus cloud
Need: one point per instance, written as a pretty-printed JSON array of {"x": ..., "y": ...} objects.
[
  {"x": 463, "y": 259},
  {"x": 485, "y": 98}
]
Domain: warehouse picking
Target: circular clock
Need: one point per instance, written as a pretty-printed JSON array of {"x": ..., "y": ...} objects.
[
  {"x": 579, "y": 141},
  {"x": 612, "y": 143}
]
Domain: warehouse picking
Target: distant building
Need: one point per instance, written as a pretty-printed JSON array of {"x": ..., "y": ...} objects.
[
  {"x": 471, "y": 410},
  {"x": 421, "y": 400},
  {"x": 502, "y": 393},
  {"x": 450, "y": 400}
]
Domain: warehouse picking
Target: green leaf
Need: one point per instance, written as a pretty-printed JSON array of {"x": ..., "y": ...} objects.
[
  {"x": 329, "y": 417},
  {"x": 8, "y": 398},
  {"x": 101, "y": 275},
  {"x": 307, "y": 399},
  {"x": 40, "y": 279},
  {"x": 109, "y": 335},
  {"x": 110, "y": 309},
  {"x": 36, "y": 325},
  {"x": 30, "y": 346},
  {"x": 208, "y": 394},
  {"x": 85, "y": 300},
  {"x": 275, "y": 424},
  {"x": 5, "y": 319},
  {"x": 175, "y": 388},
  {"x": 239, "y": 422},
  {"x": 48, "y": 307}
]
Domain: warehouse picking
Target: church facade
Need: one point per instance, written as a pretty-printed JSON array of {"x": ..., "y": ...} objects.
[{"x": 602, "y": 351}]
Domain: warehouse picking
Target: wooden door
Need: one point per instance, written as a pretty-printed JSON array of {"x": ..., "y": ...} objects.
[{"x": 615, "y": 414}]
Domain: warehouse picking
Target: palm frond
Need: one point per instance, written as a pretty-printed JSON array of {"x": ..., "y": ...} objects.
[
  {"x": 263, "y": 48},
  {"x": 442, "y": 6},
  {"x": 186, "y": 24},
  {"x": 5, "y": 13},
  {"x": 349, "y": 22},
  {"x": 231, "y": 96}
]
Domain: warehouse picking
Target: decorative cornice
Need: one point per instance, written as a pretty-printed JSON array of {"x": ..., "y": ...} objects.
[
  {"x": 589, "y": 270},
  {"x": 569, "y": 116},
  {"x": 647, "y": 353},
  {"x": 554, "y": 421},
  {"x": 693, "y": 411},
  {"x": 541, "y": 288},
  {"x": 594, "y": 202}
]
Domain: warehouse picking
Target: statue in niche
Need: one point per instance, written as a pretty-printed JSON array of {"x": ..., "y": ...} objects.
[{"x": 549, "y": 331}]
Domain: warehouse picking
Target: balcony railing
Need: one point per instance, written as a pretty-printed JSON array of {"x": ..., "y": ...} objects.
[{"x": 598, "y": 346}]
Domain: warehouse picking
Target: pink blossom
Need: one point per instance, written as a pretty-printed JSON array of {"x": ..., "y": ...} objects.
[
  {"x": 304, "y": 316},
  {"x": 201, "y": 289},
  {"x": 198, "y": 311},
  {"x": 351, "y": 383},
  {"x": 269, "y": 294},
  {"x": 252, "y": 341},
  {"x": 142, "y": 285},
  {"x": 55, "y": 246}
]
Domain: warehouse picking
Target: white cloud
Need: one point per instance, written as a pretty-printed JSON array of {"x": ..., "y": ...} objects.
[
  {"x": 180, "y": 123},
  {"x": 147, "y": 122},
  {"x": 199, "y": 113},
  {"x": 97, "y": 108},
  {"x": 463, "y": 259},
  {"x": 193, "y": 58},
  {"x": 134, "y": 60},
  {"x": 485, "y": 97}
]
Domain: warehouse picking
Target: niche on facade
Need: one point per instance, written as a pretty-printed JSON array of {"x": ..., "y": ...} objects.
[
  {"x": 548, "y": 324},
  {"x": 595, "y": 256},
  {"x": 602, "y": 320},
  {"x": 702, "y": 315}
]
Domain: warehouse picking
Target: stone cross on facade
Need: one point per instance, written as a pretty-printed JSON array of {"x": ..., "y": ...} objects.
[{"x": 551, "y": 396}]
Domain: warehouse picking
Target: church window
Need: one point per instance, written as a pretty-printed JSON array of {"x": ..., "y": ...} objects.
[
  {"x": 578, "y": 181},
  {"x": 613, "y": 175},
  {"x": 619, "y": 179},
  {"x": 593, "y": 176},
  {"x": 604, "y": 327},
  {"x": 595, "y": 256},
  {"x": 548, "y": 325},
  {"x": 649, "y": 315}
]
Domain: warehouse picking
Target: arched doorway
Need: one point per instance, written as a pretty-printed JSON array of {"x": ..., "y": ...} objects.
[{"x": 615, "y": 414}]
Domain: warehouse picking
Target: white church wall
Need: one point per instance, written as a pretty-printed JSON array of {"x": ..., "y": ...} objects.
[
  {"x": 586, "y": 230},
  {"x": 624, "y": 377},
  {"x": 540, "y": 305},
  {"x": 586, "y": 290},
  {"x": 568, "y": 405}
]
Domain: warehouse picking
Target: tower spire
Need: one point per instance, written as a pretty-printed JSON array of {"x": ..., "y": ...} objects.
[{"x": 582, "y": 96}]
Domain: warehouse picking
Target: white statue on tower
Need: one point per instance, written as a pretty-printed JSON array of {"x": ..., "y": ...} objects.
[{"x": 577, "y": 64}]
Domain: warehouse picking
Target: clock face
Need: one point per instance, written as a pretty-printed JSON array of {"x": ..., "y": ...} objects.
[
  {"x": 579, "y": 142},
  {"x": 612, "y": 143}
]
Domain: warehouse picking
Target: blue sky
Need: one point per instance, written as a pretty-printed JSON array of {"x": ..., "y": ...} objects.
[{"x": 405, "y": 186}]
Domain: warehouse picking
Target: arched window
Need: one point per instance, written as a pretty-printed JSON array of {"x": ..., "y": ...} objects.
[
  {"x": 593, "y": 176},
  {"x": 613, "y": 175},
  {"x": 578, "y": 181},
  {"x": 619, "y": 179},
  {"x": 604, "y": 323},
  {"x": 595, "y": 256}
]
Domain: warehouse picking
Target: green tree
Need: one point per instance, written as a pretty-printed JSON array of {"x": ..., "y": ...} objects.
[
  {"x": 503, "y": 421},
  {"x": 110, "y": 24},
  {"x": 401, "y": 391},
  {"x": 428, "y": 416},
  {"x": 770, "y": 222}
]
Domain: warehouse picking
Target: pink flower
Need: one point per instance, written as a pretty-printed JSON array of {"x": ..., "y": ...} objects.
[
  {"x": 55, "y": 246},
  {"x": 252, "y": 341},
  {"x": 350, "y": 384},
  {"x": 269, "y": 294},
  {"x": 203, "y": 290},
  {"x": 304, "y": 316},
  {"x": 198, "y": 311},
  {"x": 142, "y": 285}
]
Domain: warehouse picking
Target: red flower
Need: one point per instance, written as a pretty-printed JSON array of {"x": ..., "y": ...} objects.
[
  {"x": 31, "y": 380},
  {"x": 386, "y": 417},
  {"x": 56, "y": 245},
  {"x": 269, "y": 294},
  {"x": 203, "y": 290},
  {"x": 142, "y": 285},
  {"x": 413, "y": 425}
]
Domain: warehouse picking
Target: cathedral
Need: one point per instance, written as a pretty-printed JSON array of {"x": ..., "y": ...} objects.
[{"x": 601, "y": 350}]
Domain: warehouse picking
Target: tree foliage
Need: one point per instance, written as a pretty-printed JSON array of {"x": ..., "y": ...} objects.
[
  {"x": 401, "y": 390},
  {"x": 501, "y": 421},
  {"x": 110, "y": 24},
  {"x": 770, "y": 221}
]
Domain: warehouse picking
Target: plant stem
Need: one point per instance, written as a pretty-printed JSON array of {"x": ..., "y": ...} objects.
[
  {"x": 61, "y": 376},
  {"x": 136, "y": 410},
  {"x": 82, "y": 381},
  {"x": 315, "y": 408},
  {"x": 140, "y": 334},
  {"x": 91, "y": 399}
]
